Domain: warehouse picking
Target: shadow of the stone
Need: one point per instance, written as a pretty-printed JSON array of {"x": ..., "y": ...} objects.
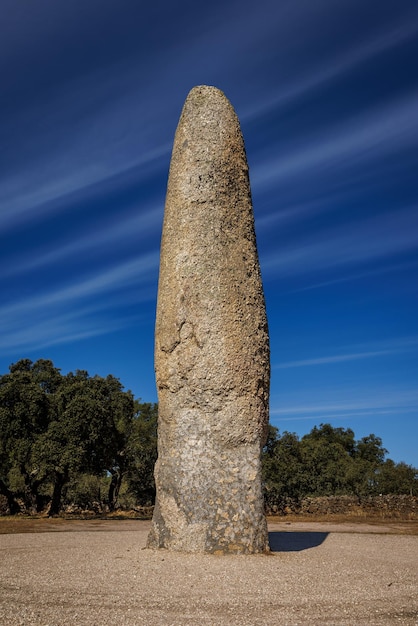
[{"x": 295, "y": 541}]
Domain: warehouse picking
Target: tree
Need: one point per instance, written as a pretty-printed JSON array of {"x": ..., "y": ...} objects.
[
  {"x": 89, "y": 433},
  {"x": 328, "y": 456},
  {"x": 56, "y": 427},
  {"x": 142, "y": 451},
  {"x": 370, "y": 449},
  {"x": 25, "y": 411},
  {"x": 283, "y": 468},
  {"x": 398, "y": 478},
  {"x": 369, "y": 456},
  {"x": 329, "y": 461}
]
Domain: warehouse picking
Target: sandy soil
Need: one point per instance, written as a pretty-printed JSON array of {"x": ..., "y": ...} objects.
[{"x": 98, "y": 573}]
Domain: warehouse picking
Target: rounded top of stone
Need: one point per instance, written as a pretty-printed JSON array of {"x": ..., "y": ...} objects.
[
  {"x": 208, "y": 104},
  {"x": 205, "y": 90}
]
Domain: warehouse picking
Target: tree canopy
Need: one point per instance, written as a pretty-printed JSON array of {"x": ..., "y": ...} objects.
[
  {"x": 329, "y": 461},
  {"x": 56, "y": 429},
  {"x": 82, "y": 439}
]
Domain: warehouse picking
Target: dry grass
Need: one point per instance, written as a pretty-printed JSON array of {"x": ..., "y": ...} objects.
[
  {"x": 400, "y": 526},
  {"x": 21, "y": 524}
]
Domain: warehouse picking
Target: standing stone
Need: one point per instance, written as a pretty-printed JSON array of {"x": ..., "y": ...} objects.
[{"x": 211, "y": 343}]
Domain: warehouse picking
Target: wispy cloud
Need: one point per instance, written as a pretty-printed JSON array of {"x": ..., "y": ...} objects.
[
  {"x": 134, "y": 227},
  {"x": 366, "y": 240},
  {"x": 99, "y": 126},
  {"x": 113, "y": 122},
  {"x": 392, "y": 127},
  {"x": 90, "y": 307},
  {"x": 35, "y": 190},
  {"x": 344, "y": 61},
  {"x": 104, "y": 281},
  {"x": 62, "y": 328},
  {"x": 397, "y": 345},
  {"x": 385, "y": 269},
  {"x": 338, "y": 358},
  {"x": 369, "y": 402},
  {"x": 324, "y": 415}
]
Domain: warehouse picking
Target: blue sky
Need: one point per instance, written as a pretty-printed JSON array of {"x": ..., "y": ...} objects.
[{"x": 327, "y": 95}]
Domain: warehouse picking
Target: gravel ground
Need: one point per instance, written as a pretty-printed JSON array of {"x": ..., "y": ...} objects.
[{"x": 316, "y": 574}]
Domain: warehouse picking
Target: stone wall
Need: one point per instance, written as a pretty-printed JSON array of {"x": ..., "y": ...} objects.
[{"x": 385, "y": 506}]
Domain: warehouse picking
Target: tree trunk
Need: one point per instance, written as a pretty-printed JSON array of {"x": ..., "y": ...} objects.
[
  {"x": 14, "y": 506},
  {"x": 60, "y": 479},
  {"x": 33, "y": 501},
  {"x": 114, "y": 488}
]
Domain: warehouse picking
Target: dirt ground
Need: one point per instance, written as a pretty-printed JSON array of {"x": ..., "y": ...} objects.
[{"x": 98, "y": 572}]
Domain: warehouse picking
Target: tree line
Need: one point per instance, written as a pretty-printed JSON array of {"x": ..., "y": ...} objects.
[
  {"x": 81, "y": 439},
  {"x": 329, "y": 461}
]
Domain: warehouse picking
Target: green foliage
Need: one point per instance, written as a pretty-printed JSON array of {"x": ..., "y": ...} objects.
[
  {"x": 283, "y": 467},
  {"x": 86, "y": 491},
  {"x": 143, "y": 453},
  {"x": 59, "y": 431},
  {"x": 84, "y": 440},
  {"x": 393, "y": 477},
  {"x": 329, "y": 461},
  {"x": 25, "y": 411}
]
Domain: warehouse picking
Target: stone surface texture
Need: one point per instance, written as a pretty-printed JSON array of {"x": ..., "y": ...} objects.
[{"x": 211, "y": 343}]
